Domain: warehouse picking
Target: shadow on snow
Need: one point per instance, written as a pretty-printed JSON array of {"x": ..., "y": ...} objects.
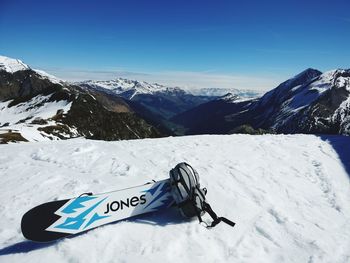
[
  {"x": 168, "y": 216},
  {"x": 341, "y": 144}
]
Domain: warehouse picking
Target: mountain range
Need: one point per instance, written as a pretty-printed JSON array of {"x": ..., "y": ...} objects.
[
  {"x": 37, "y": 106},
  {"x": 161, "y": 100},
  {"x": 310, "y": 102}
]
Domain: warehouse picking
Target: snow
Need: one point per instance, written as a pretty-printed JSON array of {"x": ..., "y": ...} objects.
[
  {"x": 39, "y": 106},
  {"x": 247, "y": 94},
  {"x": 288, "y": 194},
  {"x": 234, "y": 98},
  {"x": 230, "y": 98},
  {"x": 342, "y": 114},
  {"x": 11, "y": 65},
  {"x": 304, "y": 95},
  {"x": 20, "y": 116},
  {"x": 46, "y": 75},
  {"x": 121, "y": 85}
]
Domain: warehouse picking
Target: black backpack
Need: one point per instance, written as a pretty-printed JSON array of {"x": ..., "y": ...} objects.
[{"x": 188, "y": 195}]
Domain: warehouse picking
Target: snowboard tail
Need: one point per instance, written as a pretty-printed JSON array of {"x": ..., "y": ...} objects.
[
  {"x": 58, "y": 219},
  {"x": 37, "y": 220}
]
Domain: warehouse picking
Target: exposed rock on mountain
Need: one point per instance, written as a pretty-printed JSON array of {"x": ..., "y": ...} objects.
[
  {"x": 39, "y": 106},
  {"x": 310, "y": 102},
  {"x": 161, "y": 100}
]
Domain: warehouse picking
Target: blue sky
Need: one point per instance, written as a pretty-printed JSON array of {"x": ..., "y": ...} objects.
[{"x": 240, "y": 44}]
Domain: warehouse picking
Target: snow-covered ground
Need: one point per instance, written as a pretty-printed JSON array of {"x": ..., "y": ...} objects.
[
  {"x": 288, "y": 194},
  {"x": 19, "y": 117}
]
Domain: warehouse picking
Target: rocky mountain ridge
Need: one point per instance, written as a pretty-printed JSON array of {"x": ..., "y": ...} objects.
[
  {"x": 310, "y": 102},
  {"x": 40, "y": 107},
  {"x": 159, "y": 99}
]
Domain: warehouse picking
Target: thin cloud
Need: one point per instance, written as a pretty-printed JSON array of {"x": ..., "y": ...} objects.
[
  {"x": 210, "y": 80},
  {"x": 184, "y": 79}
]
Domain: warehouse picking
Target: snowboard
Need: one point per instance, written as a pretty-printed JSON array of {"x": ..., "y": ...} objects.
[{"x": 58, "y": 219}]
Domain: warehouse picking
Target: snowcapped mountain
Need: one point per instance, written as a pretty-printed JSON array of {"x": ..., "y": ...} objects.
[
  {"x": 11, "y": 65},
  {"x": 49, "y": 77},
  {"x": 129, "y": 88},
  {"x": 233, "y": 98},
  {"x": 163, "y": 100},
  {"x": 219, "y": 92},
  {"x": 40, "y": 106},
  {"x": 320, "y": 104},
  {"x": 36, "y": 106},
  {"x": 288, "y": 194},
  {"x": 160, "y": 100},
  {"x": 310, "y": 102}
]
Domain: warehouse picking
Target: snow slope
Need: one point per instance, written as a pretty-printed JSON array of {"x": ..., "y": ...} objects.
[
  {"x": 303, "y": 96},
  {"x": 12, "y": 65},
  {"x": 288, "y": 194},
  {"x": 50, "y": 77},
  {"x": 21, "y": 116}
]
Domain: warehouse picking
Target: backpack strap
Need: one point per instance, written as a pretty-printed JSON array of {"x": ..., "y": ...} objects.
[
  {"x": 207, "y": 208},
  {"x": 189, "y": 197},
  {"x": 216, "y": 220}
]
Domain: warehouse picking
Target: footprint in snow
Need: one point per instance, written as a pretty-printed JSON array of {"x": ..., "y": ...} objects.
[
  {"x": 119, "y": 169},
  {"x": 325, "y": 185}
]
